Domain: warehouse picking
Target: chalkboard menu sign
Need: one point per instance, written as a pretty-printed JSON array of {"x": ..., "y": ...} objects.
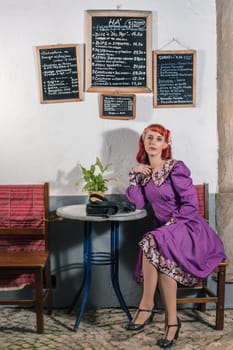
[
  {"x": 117, "y": 106},
  {"x": 174, "y": 78},
  {"x": 59, "y": 73},
  {"x": 119, "y": 51}
]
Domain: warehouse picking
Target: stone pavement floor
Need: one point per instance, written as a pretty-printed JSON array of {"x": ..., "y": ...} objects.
[{"x": 103, "y": 329}]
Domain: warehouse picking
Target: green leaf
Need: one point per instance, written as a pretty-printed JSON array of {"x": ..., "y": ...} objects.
[{"x": 93, "y": 177}]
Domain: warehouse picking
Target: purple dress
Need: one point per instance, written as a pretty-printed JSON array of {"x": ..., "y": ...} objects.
[{"x": 183, "y": 245}]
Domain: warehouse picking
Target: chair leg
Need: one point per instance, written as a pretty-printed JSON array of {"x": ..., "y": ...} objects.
[
  {"x": 39, "y": 300},
  {"x": 221, "y": 276},
  {"x": 202, "y": 306}
]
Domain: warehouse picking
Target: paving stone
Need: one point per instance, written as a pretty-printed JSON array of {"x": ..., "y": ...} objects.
[{"x": 103, "y": 329}]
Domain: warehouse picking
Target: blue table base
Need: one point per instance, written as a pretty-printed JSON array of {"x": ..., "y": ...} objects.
[{"x": 99, "y": 258}]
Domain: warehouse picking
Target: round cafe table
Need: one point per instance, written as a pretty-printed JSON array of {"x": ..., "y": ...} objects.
[{"x": 78, "y": 212}]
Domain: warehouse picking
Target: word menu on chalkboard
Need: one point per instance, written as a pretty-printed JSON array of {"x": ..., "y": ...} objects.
[
  {"x": 59, "y": 73},
  {"x": 174, "y": 78},
  {"x": 117, "y": 106},
  {"x": 119, "y": 51}
]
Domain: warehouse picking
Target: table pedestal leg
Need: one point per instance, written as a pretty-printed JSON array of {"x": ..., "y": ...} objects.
[
  {"x": 84, "y": 275},
  {"x": 99, "y": 258},
  {"x": 86, "y": 281},
  {"x": 114, "y": 267}
]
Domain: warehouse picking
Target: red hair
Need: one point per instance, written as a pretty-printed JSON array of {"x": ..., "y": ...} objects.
[{"x": 142, "y": 156}]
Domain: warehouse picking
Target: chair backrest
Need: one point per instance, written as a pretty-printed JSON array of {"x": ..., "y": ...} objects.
[
  {"x": 203, "y": 199},
  {"x": 24, "y": 212}
]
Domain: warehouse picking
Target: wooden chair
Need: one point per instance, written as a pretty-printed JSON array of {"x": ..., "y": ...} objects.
[
  {"x": 24, "y": 246},
  {"x": 203, "y": 293}
]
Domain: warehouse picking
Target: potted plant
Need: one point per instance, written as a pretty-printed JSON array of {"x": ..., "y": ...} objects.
[{"x": 94, "y": 179}]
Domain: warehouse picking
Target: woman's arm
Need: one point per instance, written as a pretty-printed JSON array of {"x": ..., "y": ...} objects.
[
  {"x": 185, "y": 191},
  {"x": 135, "y": 191}
]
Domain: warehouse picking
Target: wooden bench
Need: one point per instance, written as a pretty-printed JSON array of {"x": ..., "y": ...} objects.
[{"x": 24, "y": 246}]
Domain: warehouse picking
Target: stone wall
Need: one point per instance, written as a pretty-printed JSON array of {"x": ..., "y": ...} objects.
[{"x": 224, "y": 197}]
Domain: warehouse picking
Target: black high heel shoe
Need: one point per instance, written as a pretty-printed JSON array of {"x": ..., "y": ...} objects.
[
  {"x": 165, "y": 343},
  {"x": 132, "y": 326}
]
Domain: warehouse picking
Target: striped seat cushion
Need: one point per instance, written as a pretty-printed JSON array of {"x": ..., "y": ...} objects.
[{"x": 21, "y": 206}]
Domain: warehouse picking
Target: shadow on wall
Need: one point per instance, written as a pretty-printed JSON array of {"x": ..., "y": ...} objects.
[
  {"x": 120, "y": 148},
  {"x": 65, "y": 183}
]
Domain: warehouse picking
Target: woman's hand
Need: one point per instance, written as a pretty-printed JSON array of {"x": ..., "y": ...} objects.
[{"x": 143, "y": 168}]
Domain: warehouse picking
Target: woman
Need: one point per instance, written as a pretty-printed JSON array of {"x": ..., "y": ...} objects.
[{"x": 182, "y": 247}]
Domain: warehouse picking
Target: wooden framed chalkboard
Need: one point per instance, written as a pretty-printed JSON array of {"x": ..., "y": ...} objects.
[
  {"x": 118, "y": 106},
  {"x": 59, "y": 73},
  {"x": 174, "y": 78},
  {"x": 118, "y": 51}
]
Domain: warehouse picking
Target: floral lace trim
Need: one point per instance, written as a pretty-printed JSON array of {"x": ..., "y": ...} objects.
[
  {"x": 164, "y": 265},
  {"x": 170, "y": 222},
  {"x": 158, "y": 177}
]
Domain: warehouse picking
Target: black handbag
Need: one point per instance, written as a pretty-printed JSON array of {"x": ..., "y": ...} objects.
[{"x": 105, "y": 208}]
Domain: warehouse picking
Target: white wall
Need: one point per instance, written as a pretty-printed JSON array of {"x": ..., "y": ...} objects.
[{"x": 45, "y": 142}]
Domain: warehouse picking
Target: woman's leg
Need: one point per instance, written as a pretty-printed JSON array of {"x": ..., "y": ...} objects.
[
  {"x": 150, "y": 280},
  {"x": 168, "y": 290}
]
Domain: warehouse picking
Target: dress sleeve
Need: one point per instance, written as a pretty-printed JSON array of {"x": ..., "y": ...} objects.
[
  {"x": 135, "y": 191},
  {"x": 185, "y": 191}
]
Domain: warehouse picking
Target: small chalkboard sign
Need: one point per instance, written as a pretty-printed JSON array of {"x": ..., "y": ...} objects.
[
  {"x": 118, "y": 55},
  {"x": 59, "y": 73},
  {"x": 174, "y": 78},
  {"x": 117, "y": 106}
]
